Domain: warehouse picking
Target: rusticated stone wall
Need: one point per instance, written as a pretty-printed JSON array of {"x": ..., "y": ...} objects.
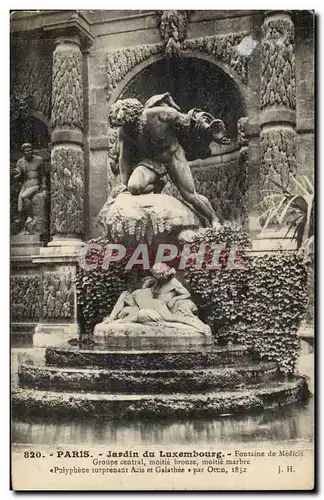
[{"x": 225, "y": 185}]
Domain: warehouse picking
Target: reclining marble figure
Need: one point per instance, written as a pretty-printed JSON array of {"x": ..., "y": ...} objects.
[{"x": 162, "y": 299}]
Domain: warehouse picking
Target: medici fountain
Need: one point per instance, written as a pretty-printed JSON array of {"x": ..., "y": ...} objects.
[{"x": 179, "y": 317}]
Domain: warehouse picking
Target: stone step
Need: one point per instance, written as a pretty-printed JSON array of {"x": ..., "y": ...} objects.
[
  {"x": 73, "y": 356},
  {"x": 35, "y": 404},
  {"x": 144, "y": 381}
]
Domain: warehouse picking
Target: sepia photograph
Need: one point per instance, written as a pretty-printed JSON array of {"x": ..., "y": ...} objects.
[{"x": 162, "y": 250}]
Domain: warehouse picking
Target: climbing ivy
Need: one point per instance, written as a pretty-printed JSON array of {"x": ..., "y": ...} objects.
[
  {"x": 98, "y": 289},
  {"x": 260, "y": 303}
]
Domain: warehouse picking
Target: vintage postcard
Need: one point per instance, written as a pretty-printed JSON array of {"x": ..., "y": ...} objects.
[{"x": 162, "y": 250}]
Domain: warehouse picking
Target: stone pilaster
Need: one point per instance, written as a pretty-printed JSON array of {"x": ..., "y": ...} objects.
[
  {"x": 58, "y": 261},
  {"x": 278, "y": 138}
]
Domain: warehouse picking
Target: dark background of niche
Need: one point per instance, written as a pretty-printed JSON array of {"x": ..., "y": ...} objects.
[
  {"x": 28, "y": 130},
  {"x": 192, "y": 83}
]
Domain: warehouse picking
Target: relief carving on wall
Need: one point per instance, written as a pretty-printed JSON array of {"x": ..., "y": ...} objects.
[
  {"x": 25, "y": 297},
  {"x": 67, "y": 190},
  {"x": 58, "y": 298},
  {"x": 21, "y": 107},
  {"x": 278, "y": 86}
]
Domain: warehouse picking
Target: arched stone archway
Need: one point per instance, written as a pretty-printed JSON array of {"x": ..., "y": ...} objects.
[
  {"x": 192, "y": 82},
  {"x": 221, "y": 50}
]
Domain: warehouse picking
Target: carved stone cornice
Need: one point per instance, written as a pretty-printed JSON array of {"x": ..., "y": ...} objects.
[{"x": 75, "y": 24}]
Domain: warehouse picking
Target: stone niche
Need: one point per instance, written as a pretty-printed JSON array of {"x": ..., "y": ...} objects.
[
  {"x": 192, "y": 82},
  {"x": 30, "y": 108},
  {"x": 30, "y": 105}
]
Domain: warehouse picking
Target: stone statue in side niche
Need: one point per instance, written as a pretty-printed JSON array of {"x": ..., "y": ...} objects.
[
  {"x": 154, "y": 140},
  {"x": 33, "y": 192},
  {"x": 162, "y": 299}
]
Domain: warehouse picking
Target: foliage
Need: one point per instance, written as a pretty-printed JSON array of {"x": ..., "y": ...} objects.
[
  {"x": 173, "y": 26},
  {"x": 259, "y": 304},
  {"x": 219, "y": 294},
  {"x": 293, "y": 208},
  {"x": 98, "y": 289}
]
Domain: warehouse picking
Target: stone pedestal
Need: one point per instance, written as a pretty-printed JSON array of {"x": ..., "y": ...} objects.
[
  {"x": 58, "y": 313},
  {"x": 164, "y": 336},
  {"x": 24, "y": 246}
]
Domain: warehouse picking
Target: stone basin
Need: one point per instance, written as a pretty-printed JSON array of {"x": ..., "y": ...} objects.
[{"x": 152, "y": 336}]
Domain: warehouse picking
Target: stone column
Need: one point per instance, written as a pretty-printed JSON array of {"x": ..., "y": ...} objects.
[
  {"x": 67, "y": 158},
  {"x": 58, "y": 261},
  {"x": 278, "y": 137}
]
